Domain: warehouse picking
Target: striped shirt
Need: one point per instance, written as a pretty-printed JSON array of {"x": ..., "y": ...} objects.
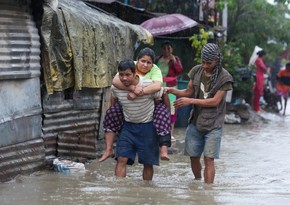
[{"x": 139, "y": 110}]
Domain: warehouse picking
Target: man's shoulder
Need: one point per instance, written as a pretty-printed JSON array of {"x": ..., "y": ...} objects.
[
  {"x": 194, "y": 70},
  {"x": 196, "y": 67},
  {"x": 115, "y": 89},
  {"x": 226, "y": 73}
]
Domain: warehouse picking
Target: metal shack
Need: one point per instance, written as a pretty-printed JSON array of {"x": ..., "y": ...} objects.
[{"x": 57, "y": 60}]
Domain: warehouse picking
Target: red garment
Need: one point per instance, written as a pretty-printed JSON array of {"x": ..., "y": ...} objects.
[
  {"x": 283, "y": 81},
  {"x": 261, "y": 69},
  {"x": 259, "y": 85},
  {"x": 175, "y": 69}
]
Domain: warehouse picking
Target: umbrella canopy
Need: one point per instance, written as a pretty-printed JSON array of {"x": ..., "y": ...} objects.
[
  {"x": 286, "y": 54},
  {"x": 167, "y": 24}
]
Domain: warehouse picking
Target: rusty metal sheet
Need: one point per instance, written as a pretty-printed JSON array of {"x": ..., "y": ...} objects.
[
  {"x": 21, "y": 158},
  {"x": 19, "y": 40},
  {"x": 20, "y": 111},
  {"x": 71, "y": 124},
  {"x": 21, "y": 145},
  {"x": 76, "y": 145}
]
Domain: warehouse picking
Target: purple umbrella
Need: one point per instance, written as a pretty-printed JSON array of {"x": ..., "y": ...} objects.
[{"x": 167, "y": 24}]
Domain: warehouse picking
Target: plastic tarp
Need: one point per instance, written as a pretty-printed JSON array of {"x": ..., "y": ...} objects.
[
  {"x": 81, "y": 46},
  {"x": 254, "y": 55}
]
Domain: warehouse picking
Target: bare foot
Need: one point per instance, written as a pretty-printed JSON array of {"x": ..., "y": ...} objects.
[
  {"x": 107, "y": 154},
  {"x": 164, "y": 157},
  {"x": 163, "y": 153}
]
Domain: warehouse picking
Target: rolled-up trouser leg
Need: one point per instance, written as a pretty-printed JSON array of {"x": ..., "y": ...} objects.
[
  {"x": 161, "y": 121},
  {"x": 165, "y": 140},
  {"x": 114, "y": 118}
]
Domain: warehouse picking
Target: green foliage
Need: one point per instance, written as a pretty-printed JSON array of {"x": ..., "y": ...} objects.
[
  {"x": 252, "y": 23},
  {"x": 258, "y": 23},
  {"x": 198, "y": 41},
  {"x": 232, "y": 61}
]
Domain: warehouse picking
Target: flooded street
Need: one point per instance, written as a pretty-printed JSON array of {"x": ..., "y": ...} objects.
[{"x": 253, "y": 169}]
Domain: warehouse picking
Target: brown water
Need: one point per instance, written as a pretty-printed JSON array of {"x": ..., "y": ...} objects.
[{"x": 253, "y": 169}]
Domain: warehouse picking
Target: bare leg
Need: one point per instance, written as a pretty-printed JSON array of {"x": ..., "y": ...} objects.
[
  {"x": 163, "y": 153},
  {"x": 209, "y": 170},
  {"x": 196, "y": 167},
  {"x": 109, "y": 152},
  {"x": 172, "y": 129},
  {"x": 120, "y": 170},
  {"x": 285, "y": 104},
  {"x": 148, "y": 172}
]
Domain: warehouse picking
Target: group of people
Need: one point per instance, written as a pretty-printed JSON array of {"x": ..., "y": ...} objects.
[
  {"x": 282, "y": 85},
  {"x": 143, "y": 111},
  {"x": 163, "y": 119}
]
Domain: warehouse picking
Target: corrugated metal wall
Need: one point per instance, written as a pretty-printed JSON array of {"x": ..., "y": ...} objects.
[
  {"x": 36, "y": 127},
  {"x": 71, "y": 123},
  {"x": 21, "y": 145}
]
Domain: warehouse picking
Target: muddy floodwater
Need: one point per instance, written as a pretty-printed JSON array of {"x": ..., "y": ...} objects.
[{"x": 254, "y": 168}]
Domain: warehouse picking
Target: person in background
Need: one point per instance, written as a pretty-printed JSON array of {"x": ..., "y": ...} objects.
[
  {"x": 283, "y": 84},
  {"x": 261, "y": 69},
  {"x": 206, "y": 91},
  {"x": 171, "y": 67},
  {"x": 114, "y": 117},
  {"x": 138, "y": 135}
]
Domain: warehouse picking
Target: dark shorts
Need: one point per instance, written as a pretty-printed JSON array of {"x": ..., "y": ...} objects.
[
  {"x": 114, "y": 119},
  {"x": 138, "y": 139}
]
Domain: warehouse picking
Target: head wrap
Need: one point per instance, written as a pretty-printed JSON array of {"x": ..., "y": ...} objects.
[{"x": 211, "y": 52}]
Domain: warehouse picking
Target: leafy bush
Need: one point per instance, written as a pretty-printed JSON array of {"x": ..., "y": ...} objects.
[
  {"x": 198, "y": 41},
  {"x": 243, "y": 79}
]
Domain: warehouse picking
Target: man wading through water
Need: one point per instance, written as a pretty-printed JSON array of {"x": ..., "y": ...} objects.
[
  {"x": 206, "y": 91},
  {"x": 138, "y": 134}
]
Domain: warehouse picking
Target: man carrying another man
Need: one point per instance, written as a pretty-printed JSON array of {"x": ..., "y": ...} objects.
[{"x": 138, "y": 135}]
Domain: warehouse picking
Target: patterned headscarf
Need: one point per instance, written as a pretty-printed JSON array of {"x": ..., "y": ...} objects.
[{"x": 211, "y": 52}]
